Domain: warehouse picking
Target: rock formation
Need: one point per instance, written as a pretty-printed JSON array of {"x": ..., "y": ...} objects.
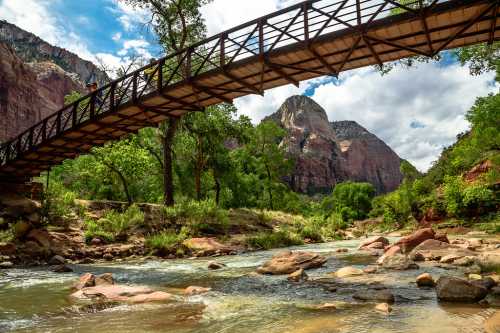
[
  {"x": 329, "y": 153},
  {"x": 29, "y": 92},
  {"x": 31, "y": 48}
]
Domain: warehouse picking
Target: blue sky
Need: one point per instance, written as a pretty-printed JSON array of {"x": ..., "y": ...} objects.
[{"x": 417, "y": 111}]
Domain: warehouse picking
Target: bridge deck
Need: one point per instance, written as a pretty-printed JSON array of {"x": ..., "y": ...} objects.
[{"x": 312, "y": 39}]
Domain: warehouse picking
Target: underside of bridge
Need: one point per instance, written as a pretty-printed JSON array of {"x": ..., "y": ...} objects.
[{"x": 308, "y": 40}]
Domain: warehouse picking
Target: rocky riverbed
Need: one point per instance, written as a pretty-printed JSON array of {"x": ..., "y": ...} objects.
[{"x": 332, "y": 287}]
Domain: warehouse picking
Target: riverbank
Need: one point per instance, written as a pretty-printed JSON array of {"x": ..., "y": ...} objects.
[{"x": 239, "y": 300}]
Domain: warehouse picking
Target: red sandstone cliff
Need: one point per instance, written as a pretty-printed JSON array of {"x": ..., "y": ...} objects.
[
  {"x": 29, "y": 92},
  {"x": 329, "y": 153}
]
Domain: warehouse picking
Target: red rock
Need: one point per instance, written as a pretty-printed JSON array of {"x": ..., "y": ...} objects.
[
  {"x": 31, "y": 92},
  {"x": 478, "y": 170},
  {"x": 375, "y": 239},
  {"x": 393, "y": 250},
  {"x": 288, "y": 262},
  {"x": 85, "y": 281},
  {"x": 115, "y": 292},
  {"x": 157, "y": 296},
  {"x": 42, "y": 237},
  {"x": 327, "y": 153},
  {"x": 104, "y": 279},
  {"x": 408, "y": 243}
]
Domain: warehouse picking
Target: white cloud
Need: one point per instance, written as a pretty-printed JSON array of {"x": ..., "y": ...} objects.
[
  {"x": 136, "y": 47},
  {"x": 117, "y": 36},
  {"x": 389, "y": 106},
  {"x": 129, "y": 16}
]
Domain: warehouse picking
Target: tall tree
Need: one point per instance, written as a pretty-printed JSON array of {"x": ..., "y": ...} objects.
[{"x": 178, "y": 23}]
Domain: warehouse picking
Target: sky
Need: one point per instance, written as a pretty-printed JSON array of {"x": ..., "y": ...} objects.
[{"x": 416, "y": 111}]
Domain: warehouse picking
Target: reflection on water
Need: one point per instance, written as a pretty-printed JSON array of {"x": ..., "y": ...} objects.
[{"x": 34, "y": 300}]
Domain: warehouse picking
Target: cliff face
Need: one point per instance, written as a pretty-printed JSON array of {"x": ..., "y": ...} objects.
[
  {"x": 329, "y": 153},
  {"x": 31, "y": 48},
  {"x": 29, "y": 92}
]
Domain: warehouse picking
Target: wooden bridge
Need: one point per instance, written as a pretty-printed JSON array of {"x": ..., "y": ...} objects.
[{"x": 311, "y": 39}]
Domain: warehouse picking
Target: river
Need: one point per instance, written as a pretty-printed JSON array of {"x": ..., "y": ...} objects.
[{"x": 36, "y": 300}]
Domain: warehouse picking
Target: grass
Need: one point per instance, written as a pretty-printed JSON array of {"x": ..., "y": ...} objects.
[
  {"x": 166, "y": 242},
  {"x": 114, "y": 225},
  {"x": 201, "y": 217},
  {"x": 276, "y": 239}
]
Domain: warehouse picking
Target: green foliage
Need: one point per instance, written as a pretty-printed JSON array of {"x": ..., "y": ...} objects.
[
  {"x": 481, "y": 58},
  {"x": 353, "y": 201},
  {"x": 114, "y": 225},
  {"x": 201, "y": 217},
  {"x": 276, "y": 239},
  {"x": 166, "y": 242},
  {"x": 6, "y": 236}
]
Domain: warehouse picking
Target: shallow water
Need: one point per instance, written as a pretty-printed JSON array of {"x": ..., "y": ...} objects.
[{"x": 35, "y": 300}]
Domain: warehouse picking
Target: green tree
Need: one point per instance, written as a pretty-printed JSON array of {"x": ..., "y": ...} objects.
[
  {"x": 353, "y": 201},
  {"x": 178, "y": 23}
]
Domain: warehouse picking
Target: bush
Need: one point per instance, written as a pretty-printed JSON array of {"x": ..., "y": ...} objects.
[
  {"x": 166, "y": 242},
  {"x": 352, "y": 200},
  {"x": 478, "y": 199},
  {"x": 270, "y": 240},
  {"x": 202, "y": 217},
  {"x": 114, "y": 225}
]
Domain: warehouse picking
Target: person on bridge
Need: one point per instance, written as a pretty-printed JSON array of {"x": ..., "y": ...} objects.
[{"x": 92, "y": 87}]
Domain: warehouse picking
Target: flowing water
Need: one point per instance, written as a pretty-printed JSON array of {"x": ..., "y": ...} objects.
[{"x": 35, "y": 300}]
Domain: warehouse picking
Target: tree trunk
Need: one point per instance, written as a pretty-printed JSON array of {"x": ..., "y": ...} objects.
[
  {"x": 198, "y": 169},
  {"x": 270, "y": 190},
  {"x": 167, "y": 143},
  {"x": 217, "y": 190}
]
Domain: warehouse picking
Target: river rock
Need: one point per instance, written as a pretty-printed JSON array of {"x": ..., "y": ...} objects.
[
  {"x": 372, "y": 240},
  {"x": 432, "y": 249},
  {"x": 105, "y": 279},
  {"x": 207, "y": 246},
  {"x": 348, "y": 271},
  {"x": 375, "y": 295},
  {"x": 85, "y": 281},
  {"x": 452, "y": 289},
  {"x": 370, "y": 269},
  {"x": 195, "y": 290},
  {"x": 398, "y": 262},
  {"x": 489, "y": 260},
  {"x": 450, "y": 258},
  {"x": 425, "y": 280},
  {"x": 298, "y": 276},
  {"x": 492, "y": 324},
  {"x": 215, "y": 265},
  {"x": 465, "y": 261},
  {"x": 120, "y": 293},
  {"x": 408, "y": 243},
  {"x": 391, "y": 251},
  {"x": 288, "y": 262},
  {"x": 485, "y": 282},
  {"x": 383, "y": 308},
  {"x": 57, "y": 260},
  {"x": 342, "y": 250}
]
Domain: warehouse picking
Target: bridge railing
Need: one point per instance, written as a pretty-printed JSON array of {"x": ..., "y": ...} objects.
[{"x": 302, "y": 23}]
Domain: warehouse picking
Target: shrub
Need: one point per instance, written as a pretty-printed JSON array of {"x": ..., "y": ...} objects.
[
  {"x": 352, "y": 200},
  {"x": 165, "y": 242},
  {"x": 453, "y": 187},
  {"x": 478, "y": 199},
  {"x": 114, "y": 225},
  {"x": 202, "y": 217},
  {"x": 270, "y": 240}
]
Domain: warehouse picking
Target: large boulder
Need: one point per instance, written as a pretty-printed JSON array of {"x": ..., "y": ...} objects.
[
  {"x": 376, "y": 239},
  {"x": 432, "y": 249},
  {"x": 42, "y": 237},
  {"x": 348, "y": 271},
  {"x": 288, "y": 262},
  {"x": 408, "y": 243},
  {"x": 121, "y": 293},
  {"x": 207, "y": 246},
  {"x": 85, "y": 281},
  {"x": 489, "y": 260},
  {"x": 452, "y": 289},
  {"x": 391, "y": 251},
  {"x": 398, "y": 262},
  {"x": 16, "y": 206}
]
